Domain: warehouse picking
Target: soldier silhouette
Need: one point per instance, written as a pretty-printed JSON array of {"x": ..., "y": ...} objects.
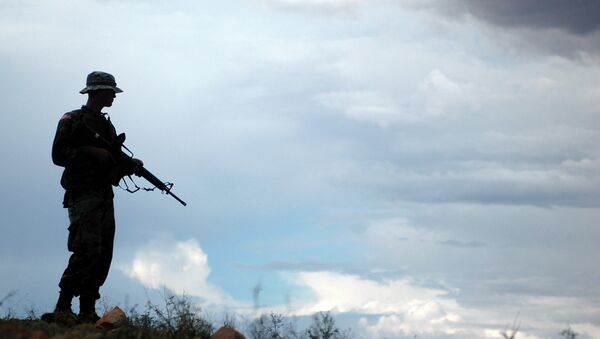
[{"x": 82, "y": 146}]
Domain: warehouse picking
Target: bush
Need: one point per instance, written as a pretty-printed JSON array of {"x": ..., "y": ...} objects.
[
  {"x": 272, "y": 326},
  {"x": 177, "y": 318},
  {"x": 276, "y": 326}
]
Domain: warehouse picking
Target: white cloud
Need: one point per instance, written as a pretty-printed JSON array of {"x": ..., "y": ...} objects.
[
  {"x": 400, "y": 307},
  {"x": 400, "y": 326},
  {"x": 403, "y": 306},
  {"x": 351, "y": 293},
  {"x": 495, "y": 333},
  {"x": 182, "y": 267}
]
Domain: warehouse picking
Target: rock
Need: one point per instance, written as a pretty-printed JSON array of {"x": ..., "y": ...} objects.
[
  {"x": 111, "y": 319},
  {"x": 227, "y": 333}
]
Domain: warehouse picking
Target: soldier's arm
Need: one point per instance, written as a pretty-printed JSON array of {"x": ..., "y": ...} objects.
[{"x": 65, "y": 149}]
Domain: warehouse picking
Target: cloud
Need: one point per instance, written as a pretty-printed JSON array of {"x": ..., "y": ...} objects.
[
  {"x": 400, "y": 307},
  {"x": 566, "y": 28},
  {"x": 421, "y": 309},
  {"x": 386, "y": 307},
  {"x": 401, "y": 237},
  {"x": 577, "y": 17},
  {"x": 278, "y": 121},
  {"x": 352, "y": 293},
  {"x": 429, "y": 321},
  {"x": 495, "y": 333},
  {"x": 436, "y": 95},
  {"x": 368, "y": 106},
  {"x": 394, "y": 326},
  {"x": 568, "y": 183},
  {"x": 182, "y": 267},
  {"x": 393, "y": 229},
  {"x": 588, "y": 329}
]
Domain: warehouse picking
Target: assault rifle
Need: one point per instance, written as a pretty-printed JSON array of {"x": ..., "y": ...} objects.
[
  {"x": 127, "y": 160},
  {"x": 125, "y": 163}
]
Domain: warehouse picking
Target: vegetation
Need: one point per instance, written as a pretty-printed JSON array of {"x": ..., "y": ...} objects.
[
  {"x": 177, "y": 318},
  {"x": 277, "y": 326},
  {"x": 568, "y": 333}
]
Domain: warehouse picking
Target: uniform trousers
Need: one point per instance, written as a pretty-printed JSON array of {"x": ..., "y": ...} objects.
[{"x": 91, "y": 238}]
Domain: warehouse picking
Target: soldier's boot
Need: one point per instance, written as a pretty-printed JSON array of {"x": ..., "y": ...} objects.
[
  {"x": 87, "y": 310},
  {"x": 62, "y": 314}
]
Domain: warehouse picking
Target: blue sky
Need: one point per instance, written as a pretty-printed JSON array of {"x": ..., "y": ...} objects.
[{"x": 423, "y": 168}]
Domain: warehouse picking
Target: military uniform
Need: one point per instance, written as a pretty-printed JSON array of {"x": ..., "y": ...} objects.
[{"x": 88, "y": 198}]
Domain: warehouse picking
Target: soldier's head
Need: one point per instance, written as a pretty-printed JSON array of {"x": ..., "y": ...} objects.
[{"x": 101, "y": 88}]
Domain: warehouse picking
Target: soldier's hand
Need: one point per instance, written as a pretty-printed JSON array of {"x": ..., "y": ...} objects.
[{"x": 137, "y": 165}]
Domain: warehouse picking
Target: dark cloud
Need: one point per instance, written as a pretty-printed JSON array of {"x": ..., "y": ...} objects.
[
  {"x": 556, "y": 27},
  {"x": 578, "y": 17}
]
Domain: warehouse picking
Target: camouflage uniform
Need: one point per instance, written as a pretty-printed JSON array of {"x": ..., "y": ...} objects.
[{"x": 88, "y": 197}]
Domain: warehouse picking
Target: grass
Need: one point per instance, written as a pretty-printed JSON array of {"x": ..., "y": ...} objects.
[{"x": 175, "y": 318}]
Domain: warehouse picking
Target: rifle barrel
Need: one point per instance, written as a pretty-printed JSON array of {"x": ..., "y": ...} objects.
[
  {"x": 177, "y": 198},
  {"x": 144, "y": 173}
]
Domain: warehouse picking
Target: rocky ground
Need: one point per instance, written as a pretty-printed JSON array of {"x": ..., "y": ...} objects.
[{"x": 37, "y": 329}]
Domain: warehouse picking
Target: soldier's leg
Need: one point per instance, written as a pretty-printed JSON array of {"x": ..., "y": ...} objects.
[
  {"x": 85, "y": 238},
  {"x": 84, "y": 234},
  {"x": 99, "y": 272},
  {"x": 108, "y": 238}
]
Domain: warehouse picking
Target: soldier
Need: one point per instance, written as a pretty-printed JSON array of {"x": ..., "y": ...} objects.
[{"x": 82, "y": 145}]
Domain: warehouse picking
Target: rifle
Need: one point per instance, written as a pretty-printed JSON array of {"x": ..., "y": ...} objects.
[
  {"x": 123, "y": 158},
  {"x": 140, "y": 170},
  {"x": 144, "y": 173}
]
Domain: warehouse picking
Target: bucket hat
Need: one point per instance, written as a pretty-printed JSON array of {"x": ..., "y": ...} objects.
[{"x": 100, "y": 80}]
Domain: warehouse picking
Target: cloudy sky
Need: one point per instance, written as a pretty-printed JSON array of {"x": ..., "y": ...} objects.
[{"x": 423, "y": 168}]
